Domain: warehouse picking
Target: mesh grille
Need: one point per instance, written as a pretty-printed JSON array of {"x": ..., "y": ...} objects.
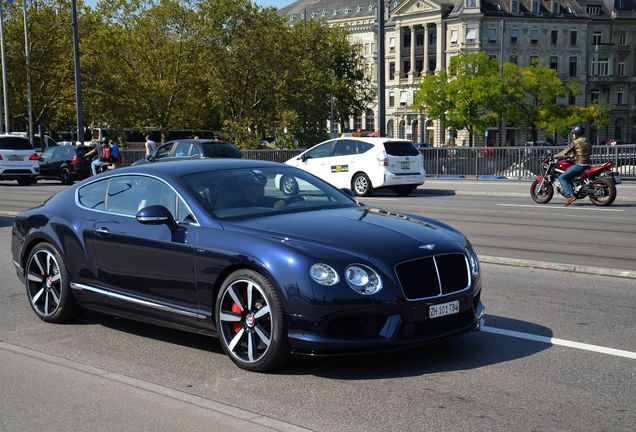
[{"x": 421, "y": 278}]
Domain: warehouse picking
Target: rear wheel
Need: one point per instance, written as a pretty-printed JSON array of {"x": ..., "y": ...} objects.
[
  {"x": 47, "y": 285},
  {"x": 288, "y": 185},
  {"x": 361, "y": 185},
  {"x": 65, "y": 177},
  {"x": 250, "y": 322},
  {"x": 404, "y": 190},
  {"x": 541, "y": 192},
  {"x": 604, "y": 192}
]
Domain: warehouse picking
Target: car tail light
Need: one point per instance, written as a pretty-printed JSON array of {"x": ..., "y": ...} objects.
[
  {"x": 0, "y": 157},
  {"x": 383, "y": 159},
  {"x": 75, "y": 161},
  {"x": 34, "y": 156}
]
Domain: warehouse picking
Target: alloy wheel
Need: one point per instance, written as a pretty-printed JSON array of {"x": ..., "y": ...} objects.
[{"x": 44, "y": 282}]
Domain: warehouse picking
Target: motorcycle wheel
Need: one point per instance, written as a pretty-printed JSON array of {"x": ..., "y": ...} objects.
[
  {"x": 541, "y": 195},
  {"x": 605, "y": 192}
]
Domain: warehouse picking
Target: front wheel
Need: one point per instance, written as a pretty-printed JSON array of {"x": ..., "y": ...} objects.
[
  {"x": 541, "y": 192},
  {"x": 47, "y": 285},
  {"x": 604, "y": 192},
  {"x": 250, "y": 322},
  {"x": 361, "y": 185},
  {"x": 288, "y": 185}
]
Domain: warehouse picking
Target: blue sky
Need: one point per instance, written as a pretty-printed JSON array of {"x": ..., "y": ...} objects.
[{"x": 264, "y": 3}]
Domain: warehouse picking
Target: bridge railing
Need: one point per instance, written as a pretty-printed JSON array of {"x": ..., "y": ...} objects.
[{"x": 508, "y": 162}]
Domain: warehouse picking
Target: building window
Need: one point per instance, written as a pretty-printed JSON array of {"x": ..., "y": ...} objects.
[
  {"x": 554, "y": 61},
  {"x": 555, "y": 7},
  {"x": 513, "y": 59},
  {"x": 407, "y": 67},
  {"x": 600, "y": 66},
  {"x": 492, "y": 34},
  {"x": 357, "y": 121},
  {"x": 514, "y": 35},
  {"x": 594, "y": 96},
  {"x": 369, "y": 121},
  {"x": 432, "y": 38},
  {"x": 514, "y": 7},
  {"x": 470, "y": 3},
  {"x": 619, "y": 97},
  {"x": 453, "y": 39},
  {"x": 419, "y": 41},
  {"x": 392, "y": 70},
  {"x": 391, "y": 99},
  {"x": 419, "y": 66},
  {"x": 391, "y": 44},
  {"x": 407, "y": 40},
  {"x": 574, "y": 35},
  {"x": 471, "y": 34},
  {"x": 535, "y": 7},
  {"x": 573, "y": 62},
  {"x": 534, "y": 37},
  {"x": 622, "y": 38},
  {"x": 594, "y": 10},
  {"x": 324, "y": 13},
  {"x": 554, "y": 37},
  {"x": 621, "y": 69},
  {"x": 597, "y": 38}
]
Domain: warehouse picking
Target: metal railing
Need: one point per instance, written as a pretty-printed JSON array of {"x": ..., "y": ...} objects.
[{"x": 504, "y": 162}]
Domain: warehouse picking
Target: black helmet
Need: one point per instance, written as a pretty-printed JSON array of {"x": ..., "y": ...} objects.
[
  {"x": 578, "y": 130},
  {"x": 104, "y": 140}
]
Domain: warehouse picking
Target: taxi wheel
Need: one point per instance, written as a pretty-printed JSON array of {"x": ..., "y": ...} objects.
[{"x": 361, "y": 185}]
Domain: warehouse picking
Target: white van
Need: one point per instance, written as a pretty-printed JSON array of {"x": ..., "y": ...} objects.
[
  {"x": 363, "y": 164},
  {"x": 18, "y": 160}
]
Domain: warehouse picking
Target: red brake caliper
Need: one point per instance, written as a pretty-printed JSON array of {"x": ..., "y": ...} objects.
[{"x": 237, "y": 310}]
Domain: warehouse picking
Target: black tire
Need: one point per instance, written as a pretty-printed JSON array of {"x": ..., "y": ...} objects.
[
  {"x": 606, "y": 192},
  {"x": 361, "y": 185},
  {"x": 27, "y": 181},
  {"x": 47, "y": 285},
  {"x": 404, "y": 190},
  {"x": 65, "y": 177},
  {"x": 253, "y": 335},
  {"x": 541, "y": 195},
  {"x": 288, "y": 185}
]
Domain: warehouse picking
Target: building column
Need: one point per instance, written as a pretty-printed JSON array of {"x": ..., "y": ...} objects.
[
  {"x": 440, "y": 47},
  {"x": 426, "y": 37},
  {"x": 412, "y": 71},
  {"x": 398, "y": 54}
]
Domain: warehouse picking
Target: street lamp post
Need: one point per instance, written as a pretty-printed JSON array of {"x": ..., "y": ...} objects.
[
  {"x": 381, "y": 96},
  {"x": 78, "y": 79},
  {"x": 27, "y": 56},
  {"x": 5, "y": 91}
]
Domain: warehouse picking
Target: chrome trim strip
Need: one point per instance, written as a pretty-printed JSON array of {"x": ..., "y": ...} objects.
[
  {"x": 174, "y": 309},
  {"x": 440, "y": 295},
  {"x": 17, "y": 265}
]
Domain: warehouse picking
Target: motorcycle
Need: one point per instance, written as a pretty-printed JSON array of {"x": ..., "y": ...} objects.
[{"x": 598, "y": 183}]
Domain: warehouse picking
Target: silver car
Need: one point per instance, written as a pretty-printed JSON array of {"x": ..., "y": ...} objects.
[{"x": 18, "y": 160}]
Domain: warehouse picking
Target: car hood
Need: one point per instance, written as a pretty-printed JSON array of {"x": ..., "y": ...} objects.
[{"x": 362, "y": 231}]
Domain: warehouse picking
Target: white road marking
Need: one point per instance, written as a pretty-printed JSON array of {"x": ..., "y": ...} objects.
[
  {"x": 563, "y": 342},
  {"x": 559, "y": 208}
]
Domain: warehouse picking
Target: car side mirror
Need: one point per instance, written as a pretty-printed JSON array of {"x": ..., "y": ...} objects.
[
  {"x": 303, "y": 157},
  {"x": 156, "y": 215}
]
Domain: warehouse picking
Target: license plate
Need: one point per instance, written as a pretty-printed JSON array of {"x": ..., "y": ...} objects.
[
  {"x": 443, "y": 309},
  {"x": 15, "y": 157},
  {"x": 405, "y": 165},
  {"x": 617, "y": 178}
]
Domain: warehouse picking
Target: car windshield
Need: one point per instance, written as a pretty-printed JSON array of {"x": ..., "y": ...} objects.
[
  {"x": 240, "y": 193},
  {"x": 15, "y": 143}
]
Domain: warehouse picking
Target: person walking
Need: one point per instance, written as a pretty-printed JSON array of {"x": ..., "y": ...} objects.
[
  {"x": 581, "y": 149},
  {"x": 151, "y": 146}
]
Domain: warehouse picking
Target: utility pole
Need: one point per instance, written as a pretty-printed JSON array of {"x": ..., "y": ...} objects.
[
  {"x": 381, "y": 84},
  {"x": 27, "y": 55},
  {"x": 5, "y": 91},
  {"x": 78, "y": 77},
  {"x": 501, "y": 63}
]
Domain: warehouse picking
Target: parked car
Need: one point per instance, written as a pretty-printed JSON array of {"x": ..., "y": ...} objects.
[
  {"x": 38, "y": 143},
  {"x": 193, "y": 149},
  {"x": 18, "y": 160},
  {"x": 423, "y": 146},
  {"x": 363, "y": 164},
  {"x": 65, "y": 163},
  {"x": 215, "y": 247}
]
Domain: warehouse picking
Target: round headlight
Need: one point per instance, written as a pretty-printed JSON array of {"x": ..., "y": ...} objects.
[
  {"x": 363, "y": 279},
  {"x": 323, "y": 274}
]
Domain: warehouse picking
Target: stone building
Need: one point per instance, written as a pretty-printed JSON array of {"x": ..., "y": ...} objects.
[{"x": 592, "y": 42}]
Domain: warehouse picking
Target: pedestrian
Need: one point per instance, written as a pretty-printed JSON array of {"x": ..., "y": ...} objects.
[
  {"x": 115, "y": 155},
  {"x": 581, "y": 149},
  {"x": 151, "y": 146}
]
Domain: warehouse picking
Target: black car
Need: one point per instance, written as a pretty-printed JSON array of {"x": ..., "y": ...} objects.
[
  {"x": 193, "y": 149},
  {"x": 214, "y": 246},
  {"x": 65, "y": 163}
]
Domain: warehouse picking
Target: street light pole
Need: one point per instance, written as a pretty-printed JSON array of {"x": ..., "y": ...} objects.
[
  {"x": 381, "y": 90},
  {"x": 27, "y": 56},
  {"x": 5, "y": 90},
  {"x": 78, "y": 78}
]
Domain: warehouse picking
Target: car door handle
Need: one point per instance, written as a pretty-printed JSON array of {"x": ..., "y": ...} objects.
[{"x": 102, "y": 231}]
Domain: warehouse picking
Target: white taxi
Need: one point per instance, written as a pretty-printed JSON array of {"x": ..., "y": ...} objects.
[{"x": 362, "y": 164}]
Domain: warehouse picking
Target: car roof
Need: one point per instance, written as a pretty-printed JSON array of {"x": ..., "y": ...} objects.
[
  {"x": 178, "y": 168},
  {"x": 374, "y": 140},
  {"x": 198, "y": 140}
]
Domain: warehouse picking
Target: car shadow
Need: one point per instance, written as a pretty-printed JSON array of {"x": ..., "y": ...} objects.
[
  {"x": 5, "y": 221},
  {"x": 471, "y": 350}
]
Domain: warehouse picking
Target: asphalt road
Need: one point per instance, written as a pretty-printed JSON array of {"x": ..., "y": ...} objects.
[{"x": 570, "y": 365}]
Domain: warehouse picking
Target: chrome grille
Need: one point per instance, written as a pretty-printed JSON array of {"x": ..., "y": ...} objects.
[{"x": 433, "y": 276}]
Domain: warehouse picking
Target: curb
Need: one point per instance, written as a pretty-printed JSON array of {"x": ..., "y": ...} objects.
[{"x": 517, "y": 262}]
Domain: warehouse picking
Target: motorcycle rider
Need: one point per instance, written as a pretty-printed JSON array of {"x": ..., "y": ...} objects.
[{"x": 581, "y": 149}]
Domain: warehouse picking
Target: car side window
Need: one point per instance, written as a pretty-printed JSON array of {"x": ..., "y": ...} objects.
[
  {"x": 345, "y": 148},
  {"x": 181, "y": 149},
  {"x": 196, "y": 151},
  {"x": 363, "y": 147},
  {"x": 163, "y": 151},
  {"x": 93, "y": 196},
  {"x": 323, "y": 150},
  {"x": 58, "y": 154},
  {"x": 47, "y": 154}
]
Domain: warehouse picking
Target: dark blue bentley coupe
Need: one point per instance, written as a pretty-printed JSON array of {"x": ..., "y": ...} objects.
[{"x": 221, "y": 247}]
